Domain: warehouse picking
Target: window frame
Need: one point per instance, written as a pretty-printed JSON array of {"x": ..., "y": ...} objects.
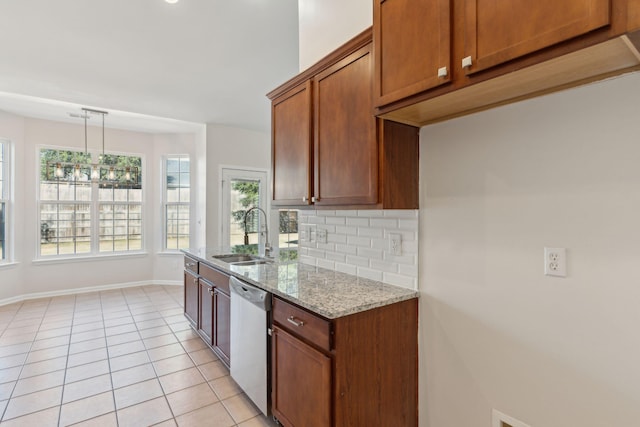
[
  {"x": 6, "y": 198},
  {"x": 95, "y": 204},
  {"x": 166, "y": 203}
]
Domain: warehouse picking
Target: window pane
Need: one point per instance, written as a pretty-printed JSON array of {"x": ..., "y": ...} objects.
[
  {"x": 244, "y": 195},
  {"x": 2, "y": 232},
  {"x": 177, "y": 197},
  {"x": 65, "y": 229},
  {"x": 120, "y": 227}
]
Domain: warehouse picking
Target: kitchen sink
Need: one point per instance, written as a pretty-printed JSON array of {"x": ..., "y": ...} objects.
[{"x": 241, "y": 259}]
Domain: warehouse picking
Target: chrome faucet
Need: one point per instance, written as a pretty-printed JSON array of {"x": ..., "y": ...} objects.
[{"x": 267, "y": 245}]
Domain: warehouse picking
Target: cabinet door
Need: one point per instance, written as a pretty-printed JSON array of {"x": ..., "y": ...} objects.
[
  {"x": 346, "y": 149},
  {"x": 499, "y": 31},
  {"x": 222, "y": 332},
  {"x": 301, "y": 382},
  {"x": 206, "y": 311},
  {"x": 291, "y": 146},
  {"x": 412, "y": 40},
  {"x": 191, "y": 297}
]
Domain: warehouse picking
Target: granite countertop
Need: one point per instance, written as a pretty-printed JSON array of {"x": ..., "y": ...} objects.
[{"x": 328, "y": 293}]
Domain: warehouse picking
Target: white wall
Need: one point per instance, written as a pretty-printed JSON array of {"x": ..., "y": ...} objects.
[
  {"x": 498, "y": 186},
  {"x": 228, "y": 146},
  {"x": 32, "y": 277},
  {"x": 326, "y": 24}
]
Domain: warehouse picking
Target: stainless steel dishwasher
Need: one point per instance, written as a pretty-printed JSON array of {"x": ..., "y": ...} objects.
[{"x": 250, "y": 307}]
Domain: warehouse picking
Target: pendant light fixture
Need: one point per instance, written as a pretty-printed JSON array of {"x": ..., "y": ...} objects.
[{"x": 101, "y": 172}]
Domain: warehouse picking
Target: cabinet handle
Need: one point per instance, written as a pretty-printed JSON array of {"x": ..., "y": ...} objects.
[
  {"x": 293, "y": 321},
  {"x": 210, "y": 291},
  {"x": 191, "y": 264},
  {"x": 443, "y": 72},
  {"x": 304, "y": 199},
  {"x": 195, "y": 281},
  {"x": 467, "y": 62},
  {"x": 314, "y": 199}
]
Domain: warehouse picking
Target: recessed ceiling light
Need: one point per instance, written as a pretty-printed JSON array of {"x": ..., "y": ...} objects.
[{"x": 171, "y": 1}]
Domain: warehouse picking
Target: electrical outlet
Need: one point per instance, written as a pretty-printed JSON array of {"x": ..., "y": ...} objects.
[
  {"x": 395, "y": 243},
  {"x": 321, "y": 236},
  {"x": 555, "y": 262}
]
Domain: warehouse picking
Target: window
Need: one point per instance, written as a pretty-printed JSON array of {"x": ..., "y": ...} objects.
[
  {"x": 177, "y": 197},
  {"x": 85, "y": 215},
  {"x": 4, "y": 199},
  {"x": 288, "y": 234}
]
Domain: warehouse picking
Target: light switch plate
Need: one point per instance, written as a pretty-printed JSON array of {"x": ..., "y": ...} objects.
[{"x": 321, "y": 236}]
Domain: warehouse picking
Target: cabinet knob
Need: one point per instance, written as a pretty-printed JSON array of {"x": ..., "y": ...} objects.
[
  {"x": 314, "y": 199},
  {"x": 210, "y": 291},
  {"x": 295, "y": 322},
  {"x": 443, "y": 72},
  {"x": 304, "y": 199},
  {"x": 467, "y": 62},
  {"x": 195, "y": 281}
]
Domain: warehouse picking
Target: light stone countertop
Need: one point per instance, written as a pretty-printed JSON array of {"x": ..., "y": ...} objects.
[{"x": 328, "y": 293}]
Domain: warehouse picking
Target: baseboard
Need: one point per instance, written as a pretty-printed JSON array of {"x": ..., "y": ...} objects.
[{"x": 37, "y": 295}]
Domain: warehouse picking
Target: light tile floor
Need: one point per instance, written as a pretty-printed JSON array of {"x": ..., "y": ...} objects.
[{"x": 124, "y": 357}]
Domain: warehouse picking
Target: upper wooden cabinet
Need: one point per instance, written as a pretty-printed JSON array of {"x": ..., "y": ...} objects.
[
  {"x": 329, "y": 150},
  {"x": 292, "y": 130},
  {"x": 496, "y": 52},
  {"x": 346, "y": 148},
  {"x": 498, "y": 31},
  {"x": 412, "y": 47}
]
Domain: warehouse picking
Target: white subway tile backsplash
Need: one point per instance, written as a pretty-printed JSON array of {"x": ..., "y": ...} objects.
[
  {"x": 347, "y": 249},
  {"x": 325, "y": 263},
  {"x": 369, "y": 273},
  {"x": 336, "y": 220},
  {"x": 360, "y": 222},
  {"x": 370, "y": 213},
  {"x": 358, "y": 243},
  {"x": 336, "y": 238},
  {"x": 401, "y": 213},
  {"x": 383, "y": 223},
  {"x": 358, "y": 260},
  {"x": 408, "y": 270},
  {"x": 370, "y": 232},
  {"x": 370, "y": 253},
  {"x": 346, "y": 230},
  {"x": 400, "y": 280},
  {"x": 384, "y": 266},
  {"x": 316, "y": 253},
  {"x": 336, "y": 256},
  {"x": 408, "y": 224},
  {"x": 346, "y": 268}
]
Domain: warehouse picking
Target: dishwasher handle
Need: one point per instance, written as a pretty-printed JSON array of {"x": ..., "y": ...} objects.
[{"x": 255, "y": 295}]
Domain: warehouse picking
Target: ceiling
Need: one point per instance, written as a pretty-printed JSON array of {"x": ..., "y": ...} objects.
[{"x": 144, "y": 61}]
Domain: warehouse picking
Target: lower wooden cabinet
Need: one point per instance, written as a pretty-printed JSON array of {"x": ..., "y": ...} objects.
[
  {"x": 222, "y": 324},
  {"x": 206, "y": 311},
  {"x": 207, "y": 305},
  {"x": 301, "y": 376},
  {"x": 357, "y": 370},
  {"x": 191, "y": 297}
]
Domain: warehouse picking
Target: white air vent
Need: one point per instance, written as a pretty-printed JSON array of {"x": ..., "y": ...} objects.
[{"x": 502, "y": 420}]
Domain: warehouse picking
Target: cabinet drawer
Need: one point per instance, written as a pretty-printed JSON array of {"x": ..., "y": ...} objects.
[
  {"x": 219, "y": 279},
  {"x": 191, "y": 264},
  {"x": 302, "y": 323}
]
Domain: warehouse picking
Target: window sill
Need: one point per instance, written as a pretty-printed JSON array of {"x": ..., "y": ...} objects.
[
  {"x": 8, "y": 265},
  {"x": 64, "y": 260},
  {"x": 170, "y": 253}
]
